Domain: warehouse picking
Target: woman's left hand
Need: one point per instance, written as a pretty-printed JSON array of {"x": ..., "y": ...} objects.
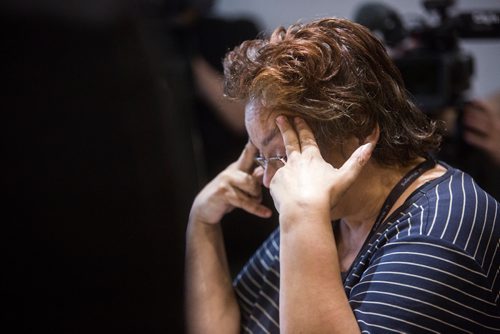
[{"x": 307, "y": 180}]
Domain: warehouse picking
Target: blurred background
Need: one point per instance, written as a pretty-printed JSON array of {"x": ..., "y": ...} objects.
[
  {"x": 285, "y": 12},
  {"x": 113, "y": 118}
]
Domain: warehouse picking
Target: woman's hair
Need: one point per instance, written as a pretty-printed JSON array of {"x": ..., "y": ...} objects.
[{"x": 338, "y": 77}]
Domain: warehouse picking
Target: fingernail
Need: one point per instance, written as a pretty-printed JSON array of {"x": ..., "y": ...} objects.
[
  {"x": 365, "y": 156},
  {"x": 367, "y": 147},
  {"x": 267, "y": 213}
]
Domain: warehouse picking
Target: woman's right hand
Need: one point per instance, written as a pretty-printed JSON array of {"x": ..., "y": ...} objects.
[{"x": 238, "y": 186}]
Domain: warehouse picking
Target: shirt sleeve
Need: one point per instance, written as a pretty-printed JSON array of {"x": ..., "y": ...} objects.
[{"x": 421, "y": 284}]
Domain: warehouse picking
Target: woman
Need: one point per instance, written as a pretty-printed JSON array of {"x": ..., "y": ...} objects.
[{"x": 374, "y": 235}]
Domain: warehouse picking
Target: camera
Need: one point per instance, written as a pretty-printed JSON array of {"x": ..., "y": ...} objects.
[{"x": 436, "y": 70}]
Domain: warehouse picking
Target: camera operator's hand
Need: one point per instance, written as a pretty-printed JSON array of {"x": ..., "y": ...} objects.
[
  {"x": 482, "y": 127},
  {"x": 238, "y": 186}
]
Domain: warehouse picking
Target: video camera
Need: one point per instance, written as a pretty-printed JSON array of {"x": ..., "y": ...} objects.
[{"x": 436, "y": 71}]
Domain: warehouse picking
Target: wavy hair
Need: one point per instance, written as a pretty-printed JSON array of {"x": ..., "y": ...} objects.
[{"x": 337, "y": 76}]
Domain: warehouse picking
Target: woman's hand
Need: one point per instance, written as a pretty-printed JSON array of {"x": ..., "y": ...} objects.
[
  {"x": 307, "y": 180},
  {"x": 238, "y": 186}
]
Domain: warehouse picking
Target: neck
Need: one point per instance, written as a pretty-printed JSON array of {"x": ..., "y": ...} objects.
[{"x": 364, "y": 200}]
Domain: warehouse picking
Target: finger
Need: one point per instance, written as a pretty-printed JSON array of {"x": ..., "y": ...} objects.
[
  {"x": 353, "y": 166},
  {"x": 246, "y": 160},
  {"x": 477, "y": 105},
  {"x": 306, "y": 136},
  {"x": 246, "y": 183},
  {"x": 476, "y": 120},
  {"x": 250, "y": 205},
  {"x": 258, "y": 174},
  {"x": 290, "y": 139},
  {"x": 475, "y": 139}
]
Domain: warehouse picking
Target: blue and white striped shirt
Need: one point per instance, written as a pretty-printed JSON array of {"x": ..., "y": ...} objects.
[{"x": 433, "y": 269}]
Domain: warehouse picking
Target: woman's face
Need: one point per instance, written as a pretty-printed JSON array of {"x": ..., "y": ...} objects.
[{"x": 265, "y": 135}]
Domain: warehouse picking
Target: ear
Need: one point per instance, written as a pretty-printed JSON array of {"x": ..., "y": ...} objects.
[{"x": 373, "y": 137}]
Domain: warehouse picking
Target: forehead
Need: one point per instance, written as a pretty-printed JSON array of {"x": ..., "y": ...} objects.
[
  {"x": 255, "y": 111},
  {"x": 260, "y": 124}
]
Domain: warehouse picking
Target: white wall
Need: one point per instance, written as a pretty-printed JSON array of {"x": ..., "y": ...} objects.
[{"x": 272, "y": 13}]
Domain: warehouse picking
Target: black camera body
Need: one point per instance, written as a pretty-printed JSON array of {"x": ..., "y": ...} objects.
[
  {"x": 436, "y": 71},
  {"x": 436, "y": 80}
]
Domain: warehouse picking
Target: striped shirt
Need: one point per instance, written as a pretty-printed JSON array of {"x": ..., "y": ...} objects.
[{"x": 434, "y": 268}]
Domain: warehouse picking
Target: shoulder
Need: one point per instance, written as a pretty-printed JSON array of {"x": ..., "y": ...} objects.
[
  {"x": 434, "y": 265},
  {"x": 419, "y": 280},
  {"x": 454, "y": 208},
  {"x": 449, "y": 213},
  {"x": 455, "y": 186}
]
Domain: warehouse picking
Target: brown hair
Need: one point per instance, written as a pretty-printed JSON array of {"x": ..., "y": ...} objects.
[{"x": 338, "y": 77}]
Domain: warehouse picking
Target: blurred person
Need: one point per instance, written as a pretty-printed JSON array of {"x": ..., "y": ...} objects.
[
  {"x": 472, "y": 142},
  {"x": 204, "y": 39},
  {"x": 437, "y": 72},
  {"x": 219, "y": 123},
  {"x": 482, "y": 126},
  {"x": 374, "y": 235}
]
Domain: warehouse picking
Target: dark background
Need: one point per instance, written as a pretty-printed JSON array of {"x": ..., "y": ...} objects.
[
  {"x": 97, "y": 170},
  {"x": 98, "y": 127}
]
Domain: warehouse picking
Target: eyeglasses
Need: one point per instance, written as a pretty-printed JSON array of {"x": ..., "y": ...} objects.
[{"x": 276, "y": 162}]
